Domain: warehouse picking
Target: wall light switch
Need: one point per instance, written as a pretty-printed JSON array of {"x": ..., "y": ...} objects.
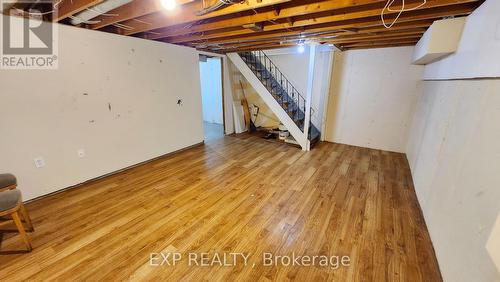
[
  {"x": 493, "y": 245},
  {"x": 39, "y": 162},
  {"x": 80, "y": 153}
]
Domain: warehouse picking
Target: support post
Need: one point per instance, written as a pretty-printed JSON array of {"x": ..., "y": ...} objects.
[{"x": 310, "y": 79}]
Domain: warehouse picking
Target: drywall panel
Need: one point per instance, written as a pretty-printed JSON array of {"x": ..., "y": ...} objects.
[
  {"x": 372, "y": 98},
  {"x": 123, "y": 100},
  {"x": 453, "y": 150},
  {"x": 211, "y": 90},
  {"x": 477, "y": 54}
]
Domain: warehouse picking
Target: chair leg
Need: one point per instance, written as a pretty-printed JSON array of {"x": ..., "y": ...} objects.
[
  {"x": 27, "y": 218},
  {"x": 20, "y": 227}
]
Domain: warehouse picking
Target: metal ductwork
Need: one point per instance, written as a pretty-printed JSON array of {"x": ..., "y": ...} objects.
[{"x": 97, "y": 10}]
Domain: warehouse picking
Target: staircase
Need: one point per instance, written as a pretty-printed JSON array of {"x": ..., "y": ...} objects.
[{"x": 283, "y": 92}]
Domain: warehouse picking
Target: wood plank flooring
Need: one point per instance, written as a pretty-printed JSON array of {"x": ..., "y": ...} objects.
[{"x": 231, "y": 195}]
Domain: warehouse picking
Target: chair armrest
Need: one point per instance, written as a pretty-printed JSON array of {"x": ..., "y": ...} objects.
[{"x": 11, "y": 187}]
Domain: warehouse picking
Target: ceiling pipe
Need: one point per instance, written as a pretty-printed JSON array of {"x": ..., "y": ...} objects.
[{"x": 97, "y": 10}]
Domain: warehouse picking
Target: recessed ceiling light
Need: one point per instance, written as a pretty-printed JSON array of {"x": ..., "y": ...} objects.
[
  {"x": 169, "y": 4},
  {"x": 301, "y": 48}
]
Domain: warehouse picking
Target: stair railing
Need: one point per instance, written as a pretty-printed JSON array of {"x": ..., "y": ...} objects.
[{"x": 280, "y": 87}]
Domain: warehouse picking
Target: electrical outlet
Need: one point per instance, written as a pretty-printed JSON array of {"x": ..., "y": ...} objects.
[
  {"x": 80, "y": 153},
  {"x": 39, "y": 162}
]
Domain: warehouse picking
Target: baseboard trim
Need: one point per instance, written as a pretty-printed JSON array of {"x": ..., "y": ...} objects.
[{"x": 115, "y": 172}]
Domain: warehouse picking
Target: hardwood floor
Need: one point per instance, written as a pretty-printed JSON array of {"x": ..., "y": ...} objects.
[{"x": 235, "y": 194}]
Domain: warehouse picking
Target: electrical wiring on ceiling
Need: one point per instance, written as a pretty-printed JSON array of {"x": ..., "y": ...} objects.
[
  {"x": 143, "y": 22},
  {"x": 84, "y": 22},
  {"x": 122, "y": 26},
  {"x": 388, "y": 6},
  {"x": 100, "y": 12},
  {"x": 216, "y": 6}
]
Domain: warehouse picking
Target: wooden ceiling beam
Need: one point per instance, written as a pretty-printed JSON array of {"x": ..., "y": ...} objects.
[
  {"x": 376, "y": 45},
  {"x": 67, "y": 8},
  {"x": 324, "y": 24},
  {"x": 380, "y": 42},
  {"x": 134, "y": 9},
  {"x": 267, "y": 47},
  {"x": 284, "y": 35},
  {"x": 151, "y": 11},
  {"x": 287, "y": 12},
  {"x": 189, "y": 16},
  {"x": 415, "y": 35},
  {"x": 341, "y": 42},
  {"x": 337, "y": 39},
  {"x": 255, "y": 26},
  {"x": 254, "y": 47},
  {"x": 374, "y": 24},
  {"x": 382, "y": 45},
  {"x": 436, "y": 8}
]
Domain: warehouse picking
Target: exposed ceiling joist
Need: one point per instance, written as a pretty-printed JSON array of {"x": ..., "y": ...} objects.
[
  {"x": 329, "y": 32},
  {"x": 254, "y": 24},
  {"x": 382, "y": 45},
  {"x": 133, "y": 10},
  {"x": 221, "y": 37},
  {"x": 414, "y": 34},
  {"x": 66, "y": 8},
  {"x": 286, "y": 12},
  {"x": 439, "y": 10},
  {"x": 188, "y": 16},
  {"x": 380, "y": 42}
]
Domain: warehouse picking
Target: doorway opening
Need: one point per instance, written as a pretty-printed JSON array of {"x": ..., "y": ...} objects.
[{"x": 212, "y": 96}]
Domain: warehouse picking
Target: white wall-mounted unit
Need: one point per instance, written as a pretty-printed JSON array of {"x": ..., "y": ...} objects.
[{"x": 440, "y": 40}]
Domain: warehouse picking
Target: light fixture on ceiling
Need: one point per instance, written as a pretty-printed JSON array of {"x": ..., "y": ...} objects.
[
  {"x": 301, "y": 48},
  {"x": 169, "y": 4}
]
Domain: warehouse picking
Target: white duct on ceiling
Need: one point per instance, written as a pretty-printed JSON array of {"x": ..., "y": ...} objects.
[{"x": 97, "y": 10}]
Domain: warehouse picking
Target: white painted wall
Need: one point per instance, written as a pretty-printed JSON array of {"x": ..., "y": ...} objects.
[
  {"x": 294, "y": 66},
  {"x": 54, "y": 113},
  {"x": 478, "y": 53},
  {"x": 454, "y": 150},
  {"x": 211, "y": 90},
  {"x": 372, "y": 97},
  {"x": 454, "y": 155}
]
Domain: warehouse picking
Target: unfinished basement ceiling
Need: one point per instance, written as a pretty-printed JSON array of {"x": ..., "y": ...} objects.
[{"x": 231, "y": 26}]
